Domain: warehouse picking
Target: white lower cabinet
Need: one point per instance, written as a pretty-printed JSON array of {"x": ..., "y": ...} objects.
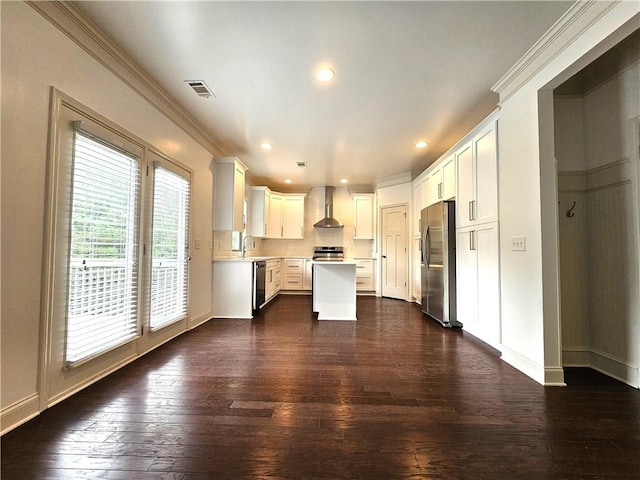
[
  {"x": 232, "y": 289},
  {"x": 293, "y": 273},
  {"x": 478, "y": 281},
  {"x": 364, "y": 275},
  {"x": 416, "y": 283},
  {"x": 273, "y": 278}
]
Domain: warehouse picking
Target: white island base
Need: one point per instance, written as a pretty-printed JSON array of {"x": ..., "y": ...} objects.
[{"x": 334, "y": 290}]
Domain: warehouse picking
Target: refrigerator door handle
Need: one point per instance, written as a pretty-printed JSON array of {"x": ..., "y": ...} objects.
[{"x": 427, "y": 247}]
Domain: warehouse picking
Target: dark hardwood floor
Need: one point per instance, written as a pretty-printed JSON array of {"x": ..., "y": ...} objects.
[{"x": 393, "y": 396}]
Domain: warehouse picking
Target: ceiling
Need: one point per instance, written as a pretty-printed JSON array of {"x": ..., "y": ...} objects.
[{"x": 405, "y": 71}]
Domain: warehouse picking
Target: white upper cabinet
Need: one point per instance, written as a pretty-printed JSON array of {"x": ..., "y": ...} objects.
[
  {"x": 259, "y": 207},
  {"x": 440, "y": 182},
  {"x": 363, "y": 216},
  {"x": 418, "y": 204},
  {"x": 448, "y": 188},
  {"x": 276, "y": 215},
  {"x": 466, "y": 189},
  {"x": 477, "y": 162},
  {"x": 228, "y": 194},
  {"x": 274, "y": 225},
  {"x": 433, "y": 187},
  {"x": 293, "y": 216},
  {"x": 486, "y": 153}
]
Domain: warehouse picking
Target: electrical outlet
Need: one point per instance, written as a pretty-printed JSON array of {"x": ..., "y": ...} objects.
[
  {"x": 519, "y": 244},
  {"x": 197, "y": 244},
  {"x": 210, "y": 245}
]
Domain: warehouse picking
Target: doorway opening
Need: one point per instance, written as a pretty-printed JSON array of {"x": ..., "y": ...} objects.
[{"x": 597, "y": 150}]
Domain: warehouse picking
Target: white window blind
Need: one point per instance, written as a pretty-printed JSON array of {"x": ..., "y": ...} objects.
[
  {"x": 103, "y": 265},
  {"x": 170, "y": 256}
]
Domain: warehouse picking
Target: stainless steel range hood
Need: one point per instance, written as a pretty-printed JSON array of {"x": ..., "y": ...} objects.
[{"x": 328, "y": 221}]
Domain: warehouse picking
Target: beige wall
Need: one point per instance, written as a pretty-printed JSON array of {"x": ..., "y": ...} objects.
[{"x": 35, "y": 57}]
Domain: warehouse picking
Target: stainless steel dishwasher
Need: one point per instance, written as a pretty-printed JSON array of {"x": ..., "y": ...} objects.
[{"x": 259, "y": 285}]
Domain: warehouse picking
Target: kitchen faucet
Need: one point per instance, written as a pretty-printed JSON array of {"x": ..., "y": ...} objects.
[{"x": 244, "y": 245}]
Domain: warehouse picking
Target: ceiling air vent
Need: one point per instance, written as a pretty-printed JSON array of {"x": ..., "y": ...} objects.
[
  {"x": 200, "y": 88},
  {"x": 301, "y": 164}
]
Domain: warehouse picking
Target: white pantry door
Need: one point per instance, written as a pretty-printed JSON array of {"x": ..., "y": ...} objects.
[{"x": 394, "y": 252}]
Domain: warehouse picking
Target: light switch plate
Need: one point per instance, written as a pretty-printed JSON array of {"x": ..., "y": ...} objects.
[{"x": 519, "y": 244}]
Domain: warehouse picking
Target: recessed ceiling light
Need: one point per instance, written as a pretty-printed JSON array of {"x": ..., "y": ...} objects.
[
  {"x": 325, "y": 74},
  {"x": 266, "y": 146},
  {"x": 344, "y": 180},
  {"x": 421, "y": 144},
  {"x": 288, "y": 180}
]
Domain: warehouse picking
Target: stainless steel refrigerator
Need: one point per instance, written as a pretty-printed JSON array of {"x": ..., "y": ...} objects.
[{"x": 438, "y": 263}]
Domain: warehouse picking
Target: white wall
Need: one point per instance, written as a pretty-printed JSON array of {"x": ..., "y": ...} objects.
[
  {"x": 528, "y": 196},
  {"x": 36, "y": 56},
  {"x": 395, "y": 195}
]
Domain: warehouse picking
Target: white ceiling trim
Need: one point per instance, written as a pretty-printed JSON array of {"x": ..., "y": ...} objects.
[
  {"x": 576, "y": 20},
  {"x": 85, "y": 34},
  {"x": 392, "y": 180}
]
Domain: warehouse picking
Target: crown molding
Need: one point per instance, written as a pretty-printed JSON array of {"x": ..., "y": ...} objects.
[
  {"x": 392, "y": 180},
  {"x": 70, "y": 21},
  {"x": 575, "y": 21}
]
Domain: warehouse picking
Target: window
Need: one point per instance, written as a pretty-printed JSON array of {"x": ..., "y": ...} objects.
[
  {"x": 116, "y": 258},
  {"x": 102, "y": 270},
  {"x": 169, "y": 253}
]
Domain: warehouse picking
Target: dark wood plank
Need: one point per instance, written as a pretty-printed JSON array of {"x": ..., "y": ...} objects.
[{"x": 392, "y": 396}]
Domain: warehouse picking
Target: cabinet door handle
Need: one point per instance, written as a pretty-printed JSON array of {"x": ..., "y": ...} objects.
[
  {"x": 472, "y": 243},
  {"x": 282, "y": 231},
  {"x": 440, "y": 190},
  {"x": 471, "y": 210}
]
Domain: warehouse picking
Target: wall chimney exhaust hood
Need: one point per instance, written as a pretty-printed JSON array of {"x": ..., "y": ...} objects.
[{"x": 328, "y": 221}]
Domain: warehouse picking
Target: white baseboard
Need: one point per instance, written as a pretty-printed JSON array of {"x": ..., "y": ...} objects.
[
  {"x": 616, "y": 368},
  {"x": 478, "y": 335},
  {"x": 18, "y": 413},
  {"x": 576, "y": 357},
  {"x": 201, "y": 318},
  {"x": 525, "y": 365},
  {"x": 554, "y": 377},
  {"x": 604, "y": 363}
]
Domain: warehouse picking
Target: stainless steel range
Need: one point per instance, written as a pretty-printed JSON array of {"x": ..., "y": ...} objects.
[{"x": 326, "y": 254}]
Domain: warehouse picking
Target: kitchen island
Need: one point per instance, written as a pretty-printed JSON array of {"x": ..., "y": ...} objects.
[{"x": 334, "y": 290}]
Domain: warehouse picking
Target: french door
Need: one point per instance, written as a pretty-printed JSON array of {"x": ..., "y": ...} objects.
[{"x": 116, "y": 266}]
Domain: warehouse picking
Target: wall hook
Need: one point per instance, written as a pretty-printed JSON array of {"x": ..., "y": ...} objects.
[{"x": 570, "y": 211}]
